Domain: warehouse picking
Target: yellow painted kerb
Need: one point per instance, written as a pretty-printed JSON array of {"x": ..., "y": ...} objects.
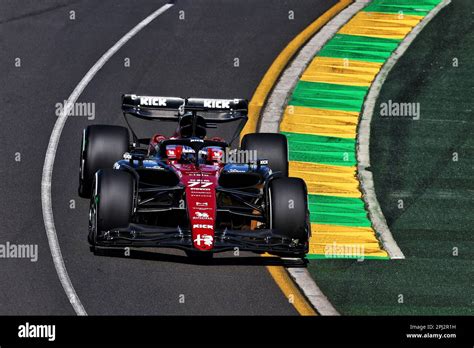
[{"x": 278, "y": 273}]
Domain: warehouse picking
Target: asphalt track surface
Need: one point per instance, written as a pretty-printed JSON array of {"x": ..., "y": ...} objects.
[{"x": 190, "y": 57}]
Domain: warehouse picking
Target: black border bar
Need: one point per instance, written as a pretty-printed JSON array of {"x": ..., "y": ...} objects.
[{"x": 240, "y": 330}]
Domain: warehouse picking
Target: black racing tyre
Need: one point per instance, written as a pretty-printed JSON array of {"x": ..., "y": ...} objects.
[
  {"x": 270, "y": 146},
  {"x": 101, "y": 147},
  {"x": 112, "y": 201},
  {"x": 288, "y": 208}
]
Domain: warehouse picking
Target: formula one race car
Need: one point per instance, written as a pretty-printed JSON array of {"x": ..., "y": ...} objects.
[{"x": 192, "y": 191}]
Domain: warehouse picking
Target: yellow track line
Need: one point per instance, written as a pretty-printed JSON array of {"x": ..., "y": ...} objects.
[
  {"x": 272, "y": 74},
  {"x": 278, "y": 273},
  {"x": 291, "y": 291}
]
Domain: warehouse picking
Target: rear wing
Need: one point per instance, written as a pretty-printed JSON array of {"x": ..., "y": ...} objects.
[
  {"x": 152, "y": 107},
  {"x": 214, "y": 111}
]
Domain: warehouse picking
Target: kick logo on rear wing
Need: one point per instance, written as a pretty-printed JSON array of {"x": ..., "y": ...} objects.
[
  {"x": 134, "y": 102},
  {"x": 204, "y": 104},
  {"x": 152, "y": 102}
]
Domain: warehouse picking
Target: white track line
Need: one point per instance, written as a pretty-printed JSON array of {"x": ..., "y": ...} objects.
[
  {"x": 311, "y": 290},
  {"x": 363, "y": 139},
  {"x": 51, "y": 154}
]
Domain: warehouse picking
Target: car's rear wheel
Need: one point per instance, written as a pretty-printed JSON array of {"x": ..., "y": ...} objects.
[
  {"x": 112, "y": 202},
  {"x": 102, "y": 146},
  {"x": 270, "y": 146},
  {"x": 288, "y": 208}
]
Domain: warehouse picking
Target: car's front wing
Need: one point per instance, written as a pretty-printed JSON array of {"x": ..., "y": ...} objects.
[{"x": 259, "y": 240}]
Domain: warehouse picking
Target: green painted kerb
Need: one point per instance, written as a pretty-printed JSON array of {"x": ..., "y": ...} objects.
[
  {"x": 328, "y": 96},
  {"x": 363, "y": 48},
  {"x": 340, "y": 211},
  {"x": 408, "y": 7},
  {"x": 321, "y": 149}
]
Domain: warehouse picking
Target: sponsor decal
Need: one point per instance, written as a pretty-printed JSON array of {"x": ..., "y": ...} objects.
[
  {"x": 195, "y": 191},
  {"x": 152, "y": 164},
  {"x": 187, "y": 149},
  {"x": 201, "y": 195},
  {"x": 153, "y": 101},
  {"x": 200, "y": 215},
  {"x": 205, "y": 239},
  {"x": 217, "y": 103},
  {"x": 203, "y": 226}
]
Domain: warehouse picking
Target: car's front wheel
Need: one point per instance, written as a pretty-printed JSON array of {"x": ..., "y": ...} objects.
[
  {"x": 112, "y": 202},
  {"x": 288, "y": 208}
]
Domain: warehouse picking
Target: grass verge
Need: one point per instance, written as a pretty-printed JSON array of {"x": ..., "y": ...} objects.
[{"x": 423, "y": 173}]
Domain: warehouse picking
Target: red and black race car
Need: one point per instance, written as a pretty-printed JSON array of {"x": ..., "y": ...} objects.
[{"x": 192, "y": 191}]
